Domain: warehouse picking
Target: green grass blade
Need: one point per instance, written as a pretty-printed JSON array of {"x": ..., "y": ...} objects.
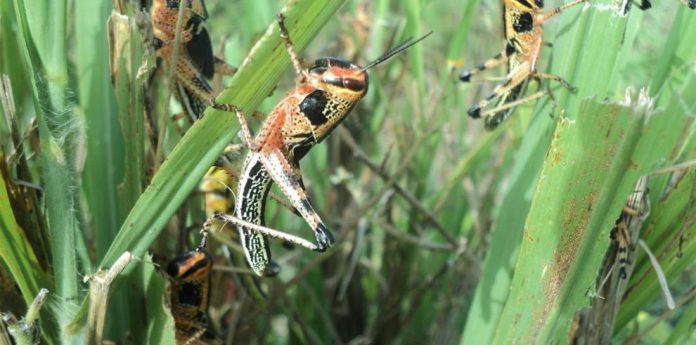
[
  {"x": 121, "y": 179},
  {"x": 595, "y": 160},
  {"x": 494, "y": 286},
  {"x": 677, "y": 50},
  {"x": 683, "y": 330},
  {"x": 11, "y": 55},
  {"x": 677, "y": 95},
  {"x": 15, "y": 249},
  {"x": 43, "y": 35},
  {"x": 540, "y": 269},
  {"x": 160, "y": 326},
  {"x": 104, "y": 160},
  {"x": 127, "y": 54},
  {"x": 414, "y": 12}
]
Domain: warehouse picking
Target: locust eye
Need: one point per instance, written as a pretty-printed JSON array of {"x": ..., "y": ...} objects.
[
  {"x": 539, "y": 3},
  {"x": 353, "y": 84},
  {"x": 318, "y": 70}
]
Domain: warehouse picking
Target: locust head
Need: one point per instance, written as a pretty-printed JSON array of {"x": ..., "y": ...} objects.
[
  {"x": 339, "y": 77},
  {"x": 344, "y": 79},
  {"x": 336, "y": 86}
]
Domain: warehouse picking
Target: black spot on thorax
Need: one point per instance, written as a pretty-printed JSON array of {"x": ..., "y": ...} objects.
[
  {"x": 313, "y": 107},
  {"x": 523, "y": 23}
]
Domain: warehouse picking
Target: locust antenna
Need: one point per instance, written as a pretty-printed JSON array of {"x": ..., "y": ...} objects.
[{"x": 393, "y": 51}]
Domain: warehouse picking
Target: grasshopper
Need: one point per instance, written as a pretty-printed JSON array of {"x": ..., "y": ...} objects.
[
  {"x": 523, "y": 22},
  {"x": 196, "y": 63},
  {"x": 323, "y": 96},
  {"x": 624, "y": 233},
  {"x": 189, "y": 296}
]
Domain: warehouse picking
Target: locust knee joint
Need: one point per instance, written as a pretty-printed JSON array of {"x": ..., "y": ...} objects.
[
  {"x": 324, "y": 238},
  {"x": 474, "y": 111}
]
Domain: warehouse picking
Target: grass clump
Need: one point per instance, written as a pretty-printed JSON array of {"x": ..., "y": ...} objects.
[{"x": 445, "y": 233}]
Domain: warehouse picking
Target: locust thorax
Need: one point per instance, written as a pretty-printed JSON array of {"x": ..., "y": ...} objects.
[
  {"x": 196, "y": 265},
  {"x": 525, "y": 5},
  {"x": 339, "y": 78}
]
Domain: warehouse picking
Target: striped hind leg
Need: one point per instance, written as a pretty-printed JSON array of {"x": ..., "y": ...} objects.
[
  {"x": 497, "y": 115},
  {"x": 623, "y": 244},
  {"x": 284, "y": 175},
  {"x": 499, "y": 59},
  {"x": 514, "y": 78}
]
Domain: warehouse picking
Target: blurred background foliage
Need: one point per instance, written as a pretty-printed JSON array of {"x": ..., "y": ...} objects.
[{"x": 445, "y": 233}]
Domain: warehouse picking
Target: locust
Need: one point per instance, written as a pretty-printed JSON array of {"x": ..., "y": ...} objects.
[
  {"x": 624, "y": 233},
  {"x": 196, "y": 64},
  {"x": 523, "y": 20},
  {"x": 216, "y": 188},
  {"x": 322, "y": 97},
  {"x": 189, "y": 276}
]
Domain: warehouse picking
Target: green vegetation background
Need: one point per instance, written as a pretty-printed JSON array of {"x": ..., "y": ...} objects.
[{"x": 457, "y": 236}]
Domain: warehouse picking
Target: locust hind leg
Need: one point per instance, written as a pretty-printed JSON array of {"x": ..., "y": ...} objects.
[
  {"x": 623, "y": 244},
  {"x": 514, "y": 79},
  {"x": 498, "y": 114},
  {"x": 283, "y": 174},
  {"x": 497, "y": 60},
  {"x": 495, "y": 116}
]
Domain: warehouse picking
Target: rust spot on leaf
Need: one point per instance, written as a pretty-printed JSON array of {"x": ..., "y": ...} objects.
[
  {"x": 556, "y": 157},
  {"x": 575, "y": 219},
  {"x": 527, "y": 235}
]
